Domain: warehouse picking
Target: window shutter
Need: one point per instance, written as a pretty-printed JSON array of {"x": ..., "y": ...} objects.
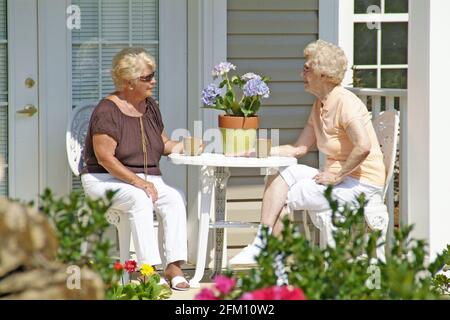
[
  {"x": 107, "y": 26},
  {"x": 4, "y": 94}
]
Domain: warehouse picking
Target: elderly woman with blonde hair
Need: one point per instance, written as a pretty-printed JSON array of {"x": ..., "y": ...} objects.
[
  {"x": 340, "y": 125},
  {"x": 123, "y": 146}
]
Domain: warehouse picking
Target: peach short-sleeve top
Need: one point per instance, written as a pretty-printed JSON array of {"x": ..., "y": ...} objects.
[{"x": 330, "y": 121}]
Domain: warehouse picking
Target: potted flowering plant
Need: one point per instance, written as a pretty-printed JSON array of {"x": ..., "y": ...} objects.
[{"x": 239, "y": 123}]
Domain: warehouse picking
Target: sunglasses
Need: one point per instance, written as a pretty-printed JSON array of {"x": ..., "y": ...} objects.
[{"x": 147, "y": 78}]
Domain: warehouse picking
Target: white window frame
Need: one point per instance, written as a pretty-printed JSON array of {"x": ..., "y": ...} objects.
[
  {"x": 336, "y": 20},
  {"x": 380, "y": 18}
]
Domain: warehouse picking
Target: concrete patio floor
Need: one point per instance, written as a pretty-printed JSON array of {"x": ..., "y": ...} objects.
[{"x": 189, "y": 294}]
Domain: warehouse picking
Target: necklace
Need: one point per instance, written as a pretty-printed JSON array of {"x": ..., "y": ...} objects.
[
  {"x": 117, "y": 101},
  {"x": 144, "y": 146},
  {"x": 144, "y": 142}
]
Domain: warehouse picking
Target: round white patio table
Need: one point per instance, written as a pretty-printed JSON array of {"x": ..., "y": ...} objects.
[{"x": 214, "y": 176}]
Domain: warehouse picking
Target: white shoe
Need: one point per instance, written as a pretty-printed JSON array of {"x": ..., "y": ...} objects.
[{"x": 246, "y": 256}]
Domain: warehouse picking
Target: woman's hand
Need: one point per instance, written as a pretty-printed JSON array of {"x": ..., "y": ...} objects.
[
  {"x": 178, "y": 148},
  {"x": 326, "y": 178},
  {"x": 200, "y": 148},
  {"x": 149, "y": 189}
]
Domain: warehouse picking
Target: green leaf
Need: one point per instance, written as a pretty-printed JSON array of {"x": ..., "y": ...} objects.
[{"x": 223, "y": 83}]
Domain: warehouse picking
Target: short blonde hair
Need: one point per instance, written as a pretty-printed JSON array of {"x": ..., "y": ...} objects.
[
  {"x": 327, "y": 59},
  {"x": 128, "y": 65}
]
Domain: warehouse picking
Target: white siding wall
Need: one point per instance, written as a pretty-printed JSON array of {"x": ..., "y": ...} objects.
[{"x": 267, "y": 37}]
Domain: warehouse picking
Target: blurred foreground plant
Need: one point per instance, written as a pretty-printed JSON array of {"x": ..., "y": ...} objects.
[
  {"x": 80, "y": 225},
  {"x": 350, "y": 270}
]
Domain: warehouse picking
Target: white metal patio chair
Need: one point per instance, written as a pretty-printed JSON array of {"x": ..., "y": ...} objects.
[
  {"x": 386, "y": 126},
  {"x": 75, "y": 136}
]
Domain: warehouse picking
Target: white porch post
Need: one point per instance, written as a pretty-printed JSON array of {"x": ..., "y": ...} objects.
[
  {"x": 207, "y": 45},
  {"x": 336, "y": 26},
  {"x": 427, "y": 122},
  {"x": 54, "y": 94},
  {"x": 173, "y": 68}
]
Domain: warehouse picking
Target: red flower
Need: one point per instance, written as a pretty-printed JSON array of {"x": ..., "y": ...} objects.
[
  {"x": 118, "y": 266},
  {"x": 206, "y": 294},
  {"x": 275, "y": 293},
  {"x": 130, "y": 266}
]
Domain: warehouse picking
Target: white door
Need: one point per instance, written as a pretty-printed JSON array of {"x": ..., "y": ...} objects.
[{"x": 21, "y": 135}]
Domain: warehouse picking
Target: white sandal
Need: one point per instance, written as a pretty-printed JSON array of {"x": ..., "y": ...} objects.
[{"x": 176, "y": 281}]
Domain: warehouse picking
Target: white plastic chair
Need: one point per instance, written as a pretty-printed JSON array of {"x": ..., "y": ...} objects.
[
  {"x": 376, "y": 214},
  {"x": 75, "y": 136}
]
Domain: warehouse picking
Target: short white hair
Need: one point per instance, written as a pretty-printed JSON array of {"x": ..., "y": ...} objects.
[
  {"x": 129, "y": 64},
  {"x": 327, "y": 59}
]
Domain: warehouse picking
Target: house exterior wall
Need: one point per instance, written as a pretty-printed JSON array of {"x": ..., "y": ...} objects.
[
  {"x": 427, "y": 118},
  {"x": 267, "y": 37}
]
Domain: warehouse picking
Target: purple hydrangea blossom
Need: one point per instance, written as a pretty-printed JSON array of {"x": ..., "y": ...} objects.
[
  {"x": 210, "y": 94},
  {"x": 222, "y": 68},
  {"x": 249, "y": 76},
  {"x": 256, "y": 87}
]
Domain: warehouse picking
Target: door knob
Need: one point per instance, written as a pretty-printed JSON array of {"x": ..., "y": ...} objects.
[
  {"x": 29, "y": 83},
  {"x": 28, "y": 110}
]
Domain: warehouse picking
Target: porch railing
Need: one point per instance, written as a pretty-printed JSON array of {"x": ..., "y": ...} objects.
[{"x": 378, "y": 100}]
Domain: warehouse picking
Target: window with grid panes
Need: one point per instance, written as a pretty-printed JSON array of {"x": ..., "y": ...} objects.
[
  {"x": 107, "y": 26},
  {"x": 4, "y": 94},
  {"x": 380, "y": 50}
]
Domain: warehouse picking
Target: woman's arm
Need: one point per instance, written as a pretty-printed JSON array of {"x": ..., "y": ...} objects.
[
  {"x": 104, "y": 149},
  {"x": 305, "y": 141},
  {"x": 171, "y": 146},
  {"x": 361, "y": 150}
]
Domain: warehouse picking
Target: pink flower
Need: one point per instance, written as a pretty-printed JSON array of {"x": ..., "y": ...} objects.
[
  {"x": 275, "y": 293},
  {"x": 130, "y": 266},
  {"x": 206, "y": 294},
  {"x": 224, "y": 284}
]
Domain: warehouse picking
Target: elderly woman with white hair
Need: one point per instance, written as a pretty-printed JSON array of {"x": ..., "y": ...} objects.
[
  {"x": 123, "y": 146},
  {"x": 340, "y": 125}
]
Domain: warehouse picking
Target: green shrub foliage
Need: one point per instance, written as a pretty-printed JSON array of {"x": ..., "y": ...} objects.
[{"x": 350, "y": 270}]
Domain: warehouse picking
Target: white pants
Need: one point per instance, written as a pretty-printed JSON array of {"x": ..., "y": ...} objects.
[
  {"x": 305, "y": 194},
  {"x": 134, "y": 202}
]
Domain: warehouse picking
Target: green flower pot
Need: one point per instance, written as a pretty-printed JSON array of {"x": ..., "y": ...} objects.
[{"x": 238, "y": 142}]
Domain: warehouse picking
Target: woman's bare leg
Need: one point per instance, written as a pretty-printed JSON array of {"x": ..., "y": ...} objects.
[{"x": 274, "y": 198}]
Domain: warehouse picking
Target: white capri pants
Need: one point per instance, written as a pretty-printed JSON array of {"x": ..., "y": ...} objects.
[
  {"x": 133, "y": 201},
  {"x": 305, "y": 194}
]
